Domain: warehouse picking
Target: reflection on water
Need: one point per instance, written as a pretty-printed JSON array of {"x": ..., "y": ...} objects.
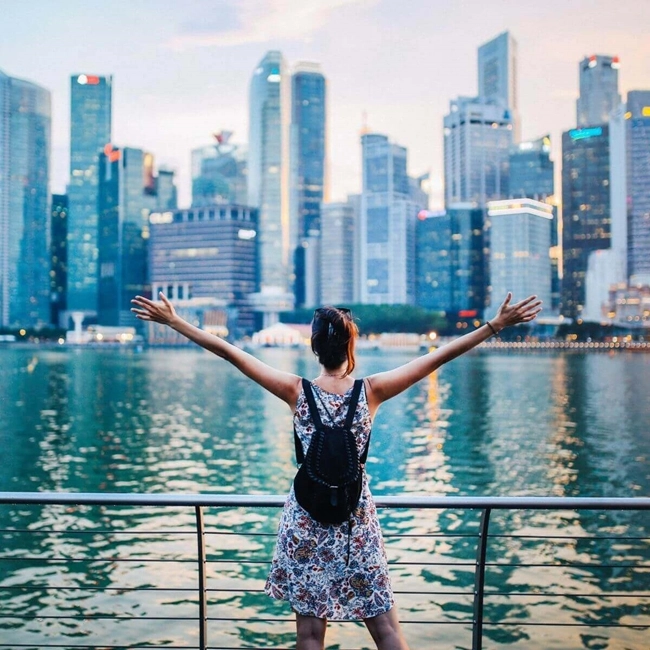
[{"x": 182, "y": 421}]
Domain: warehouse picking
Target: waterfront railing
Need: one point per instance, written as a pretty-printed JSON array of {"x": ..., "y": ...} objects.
[{"x": 60, "y": 583}]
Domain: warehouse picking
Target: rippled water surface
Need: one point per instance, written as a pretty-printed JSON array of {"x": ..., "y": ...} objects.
[{"x": 183, "y": 421}]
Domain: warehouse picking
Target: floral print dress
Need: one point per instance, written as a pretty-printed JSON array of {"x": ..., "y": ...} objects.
[{"x": 331, "y": 571}]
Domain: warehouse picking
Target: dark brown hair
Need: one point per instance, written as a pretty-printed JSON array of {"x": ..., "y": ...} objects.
[{"x": 333, "y": 333}]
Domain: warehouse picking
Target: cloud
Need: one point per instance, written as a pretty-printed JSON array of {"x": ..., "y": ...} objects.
[{"x": 260, "y": 21}]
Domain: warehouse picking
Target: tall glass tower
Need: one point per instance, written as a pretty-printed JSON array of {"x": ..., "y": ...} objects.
[
  {"x": 268, "y": 184},
  {"x": 477, "y": 142},
  {"x": 25, "y": 143},
  {"x": 598, "y": 89},
  {"x": 307, "y": 179},
  {"x": 387, "y": 224},
  {"x": 497, "y": 76},
  {"x": 90, "y": 131}
]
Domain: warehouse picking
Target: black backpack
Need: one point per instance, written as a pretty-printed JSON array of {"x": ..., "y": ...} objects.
[{"x": 330, "y": 478}]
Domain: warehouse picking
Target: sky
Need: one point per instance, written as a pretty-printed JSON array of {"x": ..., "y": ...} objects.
[{"x": 181, "y": 69}]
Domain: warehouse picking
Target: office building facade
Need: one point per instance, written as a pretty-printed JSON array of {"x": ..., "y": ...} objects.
[
  {"x": 586, "y": 222},
  {"x": 337, "y": 237},
  {"x": 599, "y": 96},
  {"x": 520, "y": 241},
  {"x": 637, "y": 121},
  {"x": 478, "y": 138},
  {"x": 268, "y": 184},
  {"x": 59, "y": 257},
  {"x": 388, "y": 216},
  {"x": 207, "y": 256},
  {"x": 307, "y": 177},
  {"x": 220, "y": 172},
  {"x": 497, "y": 76},
  {"x": 25, "y": 146},
  {"x": 451, "y": 270},
  {"x": 90, "y": 131},
  {"x": 127, "y": 196}
]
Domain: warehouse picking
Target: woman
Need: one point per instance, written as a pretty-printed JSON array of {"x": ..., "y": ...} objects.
[{"x": 335, "y": 571}]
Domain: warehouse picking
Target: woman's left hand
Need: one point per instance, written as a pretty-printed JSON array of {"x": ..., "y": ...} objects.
[
  {"x": 158, "y": 312},
  {"x": 523, "y": 311}
]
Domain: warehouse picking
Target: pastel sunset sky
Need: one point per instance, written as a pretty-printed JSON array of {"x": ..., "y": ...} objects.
[{"x": 181, "y": 69}]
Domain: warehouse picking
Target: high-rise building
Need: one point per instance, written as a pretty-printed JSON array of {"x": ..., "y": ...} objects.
[
  {"x": 586, "y": 221},
  {"x": 220, "y": 172},
  {"x": 497, "y": 76},
  {"x": 451, "y": 261},
  {"x": 520, "y": 241},
  {"x": 337, "y": 237},
  {"x": 59, "y": 256},
  {"x": 166, "y": 192},
  {"x": 531, "y": 170},
  {"x": 637, "y": 120},
  {"x": 531, "y": 176},
  {"x": 90, "y": 131},
  {"x": 307, "y": 178},
  {"x": 268, "y": 184},
  {"x": 477, "y": 141},
  {"x": 126, "y": 199},
  {"x": 599, "y": 94},
  {"x": 25, "y": 143},
  {"x": 388, "y": 216},
  {"x": 207, "y": 257}
]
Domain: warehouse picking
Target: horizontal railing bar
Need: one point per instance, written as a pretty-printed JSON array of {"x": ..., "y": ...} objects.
[
  {"x": 542, "y": 624},
  {"x": 617, "y": 594},
  {"x": 72, "y": 532},
  {"x": 93, "y": 617},
  {"x": 105, "y": 559},
  {"x": 278, "y": 501},
  {"x": 570, "y": 565},
  {"x": 33, "y": 587}
]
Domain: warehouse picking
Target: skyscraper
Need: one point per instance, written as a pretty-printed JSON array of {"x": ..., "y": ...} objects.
[
  {"x": 126, "y": 197},
  {"x": 586, "y": 221},
  {"x": 520, "y": 239},
  {"x": 90, "y": 131},
  {"x": 220, "y": 172},
  {"x": 387, "y": 225},
  {"x": 337, "y": 237},
  {"x": 25, "y": 143},
  {"x": 497, "y": 76},
  {"x": 59, "y": 256},
  {"x": 477, "y": 142},
  {"x": 637, "y": 120},
  {"x": 206, "y": 258},
  {"x": 307, "y": 178},
  {"x": 531, "y": 170},
  {"x": 268, "y": 183},
  {"x": 598, "y": 89},
  {"x": 451, "y": 261}
]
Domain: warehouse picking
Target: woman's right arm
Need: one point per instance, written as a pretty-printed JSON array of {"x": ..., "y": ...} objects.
[{"x": 284, "y": 385}]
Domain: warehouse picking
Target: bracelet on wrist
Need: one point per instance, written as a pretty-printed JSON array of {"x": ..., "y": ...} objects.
[{"x": 494, "y": 332}]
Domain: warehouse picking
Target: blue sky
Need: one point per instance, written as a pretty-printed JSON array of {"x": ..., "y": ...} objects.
[{"x": 181, "y": 68}]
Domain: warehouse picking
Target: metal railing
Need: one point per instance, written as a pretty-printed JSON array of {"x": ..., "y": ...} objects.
[{"x": 16, "y": 582}]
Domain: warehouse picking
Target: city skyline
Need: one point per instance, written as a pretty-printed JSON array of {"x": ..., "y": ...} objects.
[{"x": 392, "y": 67}]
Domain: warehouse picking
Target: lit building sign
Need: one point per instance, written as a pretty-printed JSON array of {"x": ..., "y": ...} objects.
[
  {"x": 87, "y": 80},
  {"x": 583, "y": 134}
]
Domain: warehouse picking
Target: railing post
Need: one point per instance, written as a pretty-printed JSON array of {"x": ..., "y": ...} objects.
[
  {"x": 479, "y": 581},
  {"x": 203, "y": 587}
]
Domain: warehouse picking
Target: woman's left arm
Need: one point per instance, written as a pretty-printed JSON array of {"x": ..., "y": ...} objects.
[{"x": 385, "y": 385}]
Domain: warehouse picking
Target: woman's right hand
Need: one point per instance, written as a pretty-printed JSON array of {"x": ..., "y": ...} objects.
[{"x": 158, "y": 312}]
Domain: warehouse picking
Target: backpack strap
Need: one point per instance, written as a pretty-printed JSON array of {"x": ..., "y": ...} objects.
[
  {"x": 315, "y": 415},
  {"x": 313, "y": 410}
]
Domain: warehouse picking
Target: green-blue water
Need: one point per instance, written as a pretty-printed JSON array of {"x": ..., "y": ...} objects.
[{"x": 183, "y": 421}]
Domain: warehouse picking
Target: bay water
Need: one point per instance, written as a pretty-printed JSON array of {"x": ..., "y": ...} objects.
[{"x": 183, "y": 421}]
